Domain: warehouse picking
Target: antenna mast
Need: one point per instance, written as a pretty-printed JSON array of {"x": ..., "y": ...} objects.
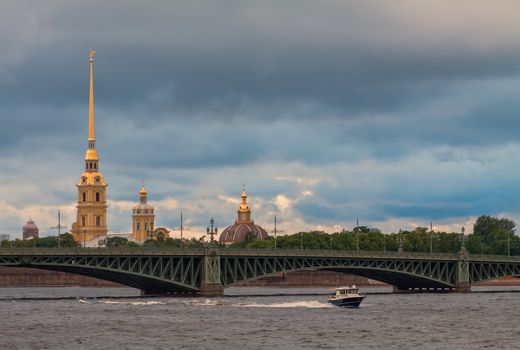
[{"x": 58, "y": 227}]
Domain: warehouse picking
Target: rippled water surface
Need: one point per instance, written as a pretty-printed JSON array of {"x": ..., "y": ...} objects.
[{"x": 116, "y": 318}]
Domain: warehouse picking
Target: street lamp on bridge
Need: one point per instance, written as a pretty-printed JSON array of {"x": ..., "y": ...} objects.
[{"x": 212, "y": 229}]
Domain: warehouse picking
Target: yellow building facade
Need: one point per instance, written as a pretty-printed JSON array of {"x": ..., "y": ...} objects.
[
  {"x": 143, "y": 217},
  {"x": 91, "y": 219}
]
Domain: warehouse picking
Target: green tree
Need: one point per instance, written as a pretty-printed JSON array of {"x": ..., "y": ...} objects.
[
  {"x": 116, "y": 242},
  {"x": 486, "y": 226}
]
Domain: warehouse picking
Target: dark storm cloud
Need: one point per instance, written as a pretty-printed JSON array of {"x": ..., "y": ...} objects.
[
  {"x": 208, "y": 95},
  {"x": 248, "y": 60}
]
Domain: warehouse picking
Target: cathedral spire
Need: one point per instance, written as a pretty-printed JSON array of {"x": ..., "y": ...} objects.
[
  {"x": 91, "y": 154},
  {"x": 91, "y": 215},
  {"x": 91, "y": 132}
]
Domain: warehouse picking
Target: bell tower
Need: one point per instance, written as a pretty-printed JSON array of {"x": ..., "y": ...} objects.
[
  {"x": 91, "y": 220},
  {"x": 142, "y": 217}
]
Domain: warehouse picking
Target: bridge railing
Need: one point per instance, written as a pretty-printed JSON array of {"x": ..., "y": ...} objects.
[
  {"x": 221, "y": 250},
  {"x": 101, "y": 251},
  {"x": 224, "y": 251}
]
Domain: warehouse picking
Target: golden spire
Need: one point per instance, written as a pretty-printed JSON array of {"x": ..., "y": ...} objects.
[
  {"x": 91, "y": 151},
  {"x": 91, "y": 133}
]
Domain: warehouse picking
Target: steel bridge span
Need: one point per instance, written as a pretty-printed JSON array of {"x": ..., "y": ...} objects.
[{"x": 208, "y": 271}]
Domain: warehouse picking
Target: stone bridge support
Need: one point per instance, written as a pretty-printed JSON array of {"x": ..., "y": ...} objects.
[
  {"x": 463, "y": 284},
  {"x": 211, "y": 285}
]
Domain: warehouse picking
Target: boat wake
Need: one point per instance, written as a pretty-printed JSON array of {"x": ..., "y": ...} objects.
[
  {"x": 132, "y": 302},
  {"x": 296, "y": 304}
]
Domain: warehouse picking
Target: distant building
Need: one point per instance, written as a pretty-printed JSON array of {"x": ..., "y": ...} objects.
[
  {"x": 30, "y": 230},
  {"x": 142, "y": 218},
  {"x": 243, "y": 225},
  {"x": 5, "y": 237},
  {"x": 161, "y": 233}
]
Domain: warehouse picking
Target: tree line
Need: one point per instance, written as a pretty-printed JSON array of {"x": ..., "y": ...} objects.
[{"x": 491, "y": 235}]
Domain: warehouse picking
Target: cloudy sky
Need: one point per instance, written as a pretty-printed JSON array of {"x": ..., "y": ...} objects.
[{"x": 394, "y": 112}]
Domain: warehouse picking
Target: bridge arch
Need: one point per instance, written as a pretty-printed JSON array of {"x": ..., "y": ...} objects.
[
  {"x": 403, "y": 274},
  {"x": 152, "y": 275}
]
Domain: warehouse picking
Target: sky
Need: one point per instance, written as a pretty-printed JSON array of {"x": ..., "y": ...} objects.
[{"x": 393, "y": 113}]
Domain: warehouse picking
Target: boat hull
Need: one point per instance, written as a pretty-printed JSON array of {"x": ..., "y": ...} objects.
[{"x": 347, "y": 302}]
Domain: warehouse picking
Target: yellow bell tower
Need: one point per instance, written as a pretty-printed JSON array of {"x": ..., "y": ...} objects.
[
  {"x": 91, "y": 220},
  {"x": 142, "y": 217}
]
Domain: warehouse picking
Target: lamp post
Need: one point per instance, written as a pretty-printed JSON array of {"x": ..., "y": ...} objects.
[
  {"x": 301, "y": 239},
  {"x": 275, "y": 231},
  {"x": 331, "y": 241},
  {"x": 58, "y": 227},
  {"x": 508, "y": 244},
  {"x": 182, "y": 228},
  {"x": 400, "y": 249},
  {"x": 462, "y": 239},
  {"x": 212, "y": 230},
  {"x": 431, "y": 237},
  {"x": 357, "y": 240}
]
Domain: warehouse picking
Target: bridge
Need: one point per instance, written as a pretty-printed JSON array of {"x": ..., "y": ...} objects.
[{"x": 208, "y": 271}]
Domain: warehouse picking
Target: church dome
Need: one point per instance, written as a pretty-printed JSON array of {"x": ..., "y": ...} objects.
[
  {"x": 243, "y": 225},
  {"x": 30, "y": 225},
  {"x": 143, "y": 207},
  {"x": 29, "y": 230},
  {"x": 238, "y": 232}
]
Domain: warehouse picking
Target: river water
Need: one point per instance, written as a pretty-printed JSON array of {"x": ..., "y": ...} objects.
[{"x": 255, "y": 318}]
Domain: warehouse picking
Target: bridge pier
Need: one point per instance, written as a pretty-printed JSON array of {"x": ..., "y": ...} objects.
[
  {"x": 211, "y": 290},
  {"x": 463, "y": 287},
  {"x": 211, "y": 285}
]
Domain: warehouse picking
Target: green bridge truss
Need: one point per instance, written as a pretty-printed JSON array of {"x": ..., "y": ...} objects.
[{"x": 209, "y": 271}]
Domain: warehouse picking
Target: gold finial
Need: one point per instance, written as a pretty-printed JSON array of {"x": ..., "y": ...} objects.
[
  {"x": 143, "y": 190},
  {"x": 91, "y": 54}
]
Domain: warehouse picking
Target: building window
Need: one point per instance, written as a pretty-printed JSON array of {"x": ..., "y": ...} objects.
[
  {"x": 146, "y": 226},
  {"x": 97, "y": 196},
  {"x": 95, "y": 166},
  {"x": 82, "y": 221},
  {"x": 98, "y": 221},
  {"x": 84, "y": 196},
  {"x": 138, "y": 226}
]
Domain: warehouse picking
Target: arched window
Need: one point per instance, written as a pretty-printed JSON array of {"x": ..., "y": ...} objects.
[
  {"x": 97, "y": 196},
  {"x": 95, "y": 166},
  {"x": 98, "y": 220},
  {"x": 84, "y": 194}
]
